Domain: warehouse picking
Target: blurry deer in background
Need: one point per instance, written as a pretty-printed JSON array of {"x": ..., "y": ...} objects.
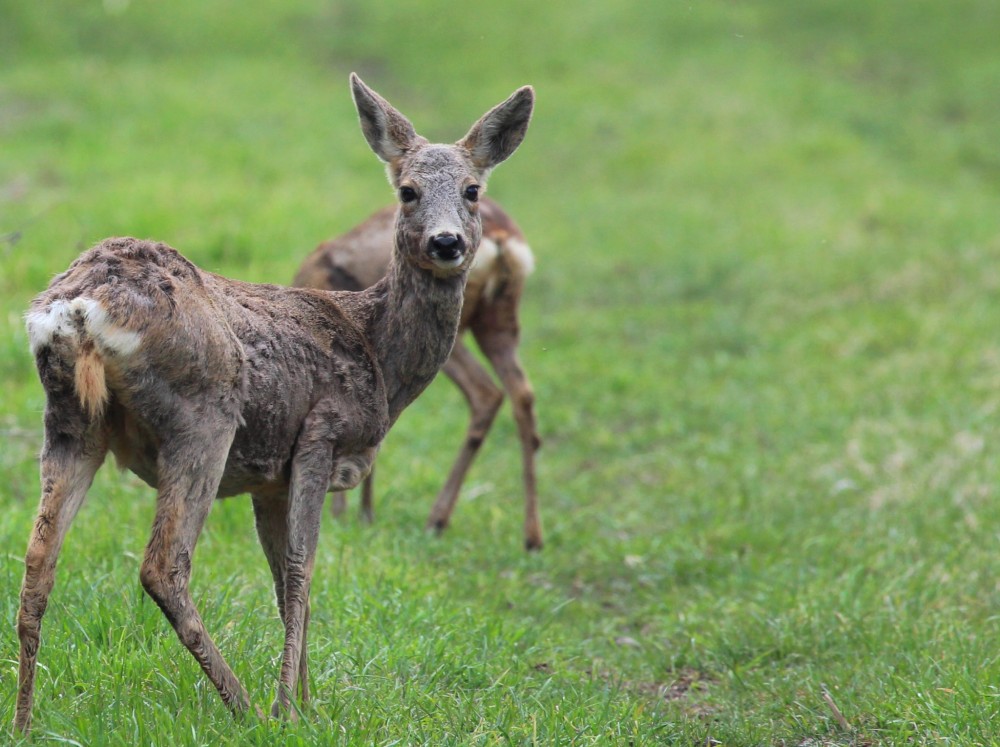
[
  {"x": 360, "y": 258},
  {"x": 207, "y": 387}
]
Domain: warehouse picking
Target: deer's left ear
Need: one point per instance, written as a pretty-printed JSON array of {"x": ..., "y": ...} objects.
[{"x": 498, "y": 133}]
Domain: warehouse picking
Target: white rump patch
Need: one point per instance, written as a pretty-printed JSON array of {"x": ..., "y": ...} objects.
[
  {"x": 482, "y": 263},
  {"x": 59, "y": 320},
  {"x": 519, "y": 257},
  {"x": 109, "y": 336},
  {"x": 44, "y": 325},
  {"x": 496, "y": 261}
]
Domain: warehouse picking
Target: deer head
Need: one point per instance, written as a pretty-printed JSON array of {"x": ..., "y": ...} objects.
[{"x": 438, "y": 227}]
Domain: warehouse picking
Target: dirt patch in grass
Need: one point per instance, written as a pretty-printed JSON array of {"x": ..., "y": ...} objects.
[
  {"x": 684, "y": 687},
  {"x": 685, "y": 683}
]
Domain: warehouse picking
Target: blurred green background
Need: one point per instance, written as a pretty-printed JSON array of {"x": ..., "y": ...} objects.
[{"x": 762, "y": 334}]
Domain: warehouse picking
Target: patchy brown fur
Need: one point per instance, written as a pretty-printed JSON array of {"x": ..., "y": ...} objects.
[
  {"x": 207, "y": 387},
  {"x": 361, "y": 257}
]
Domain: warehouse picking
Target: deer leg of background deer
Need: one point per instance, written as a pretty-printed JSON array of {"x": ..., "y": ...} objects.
[
  {"x": 67, "y": 470},
  {"x": 368, "y": 497},
  {"x": 271, "y": 518},
  {"x": 189, "y": 474},
  {"x": 311, "y": 469},
  {"x": 338, "y": 503},
  {"x": 499, "y": 342},
  {"x": 484, "y": 398}
]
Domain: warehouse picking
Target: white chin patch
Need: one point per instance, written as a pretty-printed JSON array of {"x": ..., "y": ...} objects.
[{"x": 448, "y": 264}]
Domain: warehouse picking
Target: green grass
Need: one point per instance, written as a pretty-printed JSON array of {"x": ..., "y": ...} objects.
[{"x": 762, "y": 333}]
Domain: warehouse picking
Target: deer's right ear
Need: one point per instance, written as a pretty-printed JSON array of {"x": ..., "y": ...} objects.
[{"x": 388, "y": 132}]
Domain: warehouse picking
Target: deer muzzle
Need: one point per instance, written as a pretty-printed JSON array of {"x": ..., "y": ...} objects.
[{"x": 447, "y": 250}]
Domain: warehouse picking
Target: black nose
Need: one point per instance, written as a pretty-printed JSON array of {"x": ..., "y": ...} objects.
[{"x": 447, "y": 246}]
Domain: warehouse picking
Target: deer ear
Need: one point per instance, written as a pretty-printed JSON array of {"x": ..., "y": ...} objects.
[
  {"x": 388, "y": 132},
  {"x": 498, "y": 133}
]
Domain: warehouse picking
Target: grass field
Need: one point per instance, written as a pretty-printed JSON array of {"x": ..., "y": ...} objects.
[{"x": 763, "y": 334}]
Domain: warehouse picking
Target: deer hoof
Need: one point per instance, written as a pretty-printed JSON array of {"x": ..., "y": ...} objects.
[
  {"x": 284, "y": 711},
  {"x": 437, "y": 525}
]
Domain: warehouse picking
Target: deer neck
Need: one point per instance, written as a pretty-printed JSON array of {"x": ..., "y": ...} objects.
[{"x": 413, "y": 326}]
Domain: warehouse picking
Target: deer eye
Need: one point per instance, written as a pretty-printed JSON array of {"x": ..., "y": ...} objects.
[
  {"x": 472, "y": 193},
  {"x": 407, "y": 194}
]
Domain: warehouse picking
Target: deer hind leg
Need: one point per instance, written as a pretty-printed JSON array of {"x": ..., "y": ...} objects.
[
  {"x": 75, "y": 447},
  {"x": 189, "y": 473},
  {"x": 484, "y": 398},
  {"x": 499, "y": 341},
  {"x": 271, "y": 517}
]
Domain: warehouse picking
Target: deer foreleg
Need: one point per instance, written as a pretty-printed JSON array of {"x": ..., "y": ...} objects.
[
  {"x": 271, "y": 517},
  {"x": 311, "y": 469}
]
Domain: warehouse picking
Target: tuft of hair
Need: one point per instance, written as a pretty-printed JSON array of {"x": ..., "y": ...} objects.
[{"x": 91, "y": 384}]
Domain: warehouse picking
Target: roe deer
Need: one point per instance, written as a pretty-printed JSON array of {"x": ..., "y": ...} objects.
[
  {"x": 207, "y": 387},
  {"x": 360, "y": 258}
]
